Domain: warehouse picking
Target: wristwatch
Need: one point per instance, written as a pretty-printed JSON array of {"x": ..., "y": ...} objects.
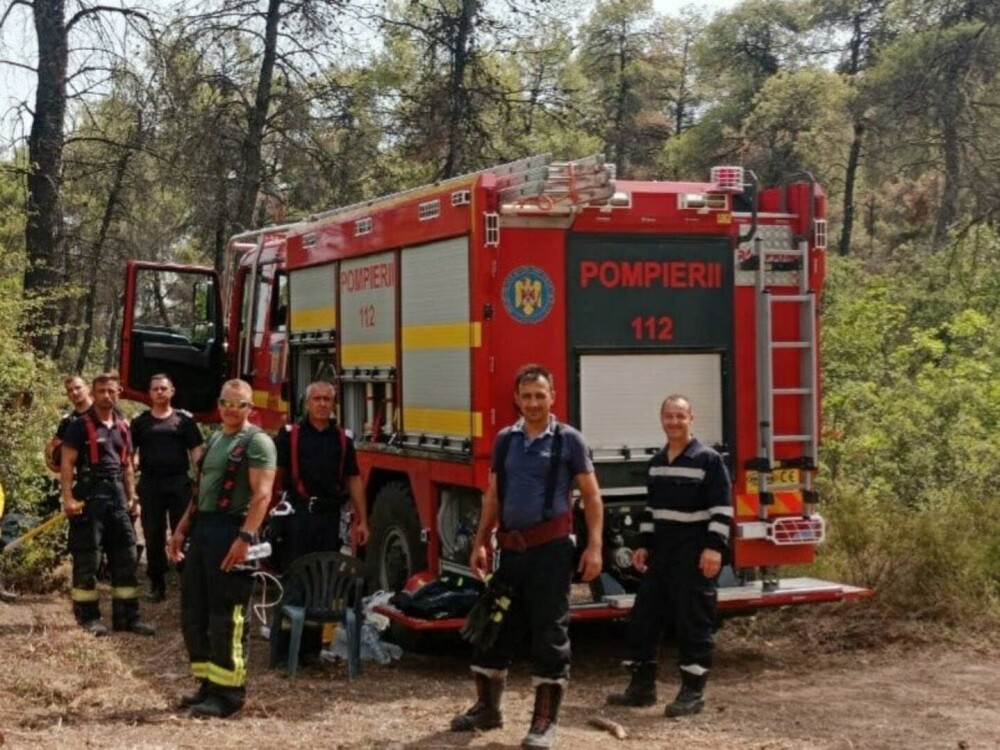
[{"x": 247, "y": 537}]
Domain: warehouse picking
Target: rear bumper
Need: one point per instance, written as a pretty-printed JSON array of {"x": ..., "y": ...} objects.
[{"x": 732, "y": 600}]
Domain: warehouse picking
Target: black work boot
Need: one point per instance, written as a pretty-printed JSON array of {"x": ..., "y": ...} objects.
[
  {"x": 542, "y": 734},
  {"x": 157, "y": 591},
  {"x": 221, "y": 703},
  {"x": 198, "y": 696},
  {"x": 95, "y": 627},
  {"x": 485, "y": 713},
  {"x": 691, "y": 698},
  {"x": 641, "y": 690},
  {"x": 125, "y": 617}
]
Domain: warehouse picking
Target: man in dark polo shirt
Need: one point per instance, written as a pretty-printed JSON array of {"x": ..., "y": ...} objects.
[
  {"x": 536, "y": 463},
  {"x": 318, "y": 470},
  {"x": 168, "y": 443},
  {"x": 685, "y": 536}
]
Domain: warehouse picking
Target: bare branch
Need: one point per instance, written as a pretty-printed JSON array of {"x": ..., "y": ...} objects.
[{"x": 94, "y": 9}]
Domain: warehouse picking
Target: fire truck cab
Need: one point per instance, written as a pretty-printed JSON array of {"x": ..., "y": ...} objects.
[{"x": 422, "y": 305}]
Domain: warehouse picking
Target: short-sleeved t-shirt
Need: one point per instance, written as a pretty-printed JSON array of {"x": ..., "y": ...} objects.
[
  {"x": 163, "y": 444},
  {"x": 527, "y": 471},
  {"x": 260, "y": 454}
]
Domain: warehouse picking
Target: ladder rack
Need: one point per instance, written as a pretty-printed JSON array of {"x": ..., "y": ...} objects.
[{"x": 806, "y": 392}]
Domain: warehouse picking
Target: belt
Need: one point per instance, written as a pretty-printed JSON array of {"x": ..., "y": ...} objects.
[
  {"x": 519, "y": 540},
  {"x": 319, "y": 505}
]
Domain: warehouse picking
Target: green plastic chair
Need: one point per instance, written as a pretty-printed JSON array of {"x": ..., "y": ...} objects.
[{"x": 320, "y": 588}]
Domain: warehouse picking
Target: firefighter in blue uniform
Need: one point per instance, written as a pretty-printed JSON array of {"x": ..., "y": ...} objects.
[
  {"x": 98, "y": 494},
  {"x": 234, "y": 490},
  {"x": 685, "y": 536},
  {"x": 168, "y": 443},
  {"x": 318, "y": 471},
  {"x": 535, "y": 464}
]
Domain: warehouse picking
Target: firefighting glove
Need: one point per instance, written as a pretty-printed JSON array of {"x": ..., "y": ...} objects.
[{"x": 485, "y": 620}]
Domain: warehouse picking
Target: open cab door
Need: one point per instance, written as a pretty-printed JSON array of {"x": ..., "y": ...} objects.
[{"x": 173, "y": 324}]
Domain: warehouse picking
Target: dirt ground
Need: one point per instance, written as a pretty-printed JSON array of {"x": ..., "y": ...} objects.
[{"x": 829, "y": 677}]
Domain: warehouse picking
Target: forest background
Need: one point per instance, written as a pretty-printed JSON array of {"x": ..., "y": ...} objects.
[{"x": 157, "y": 133}]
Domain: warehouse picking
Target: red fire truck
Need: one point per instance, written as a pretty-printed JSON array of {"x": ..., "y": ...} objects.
[{"x": 422, "y": 305}]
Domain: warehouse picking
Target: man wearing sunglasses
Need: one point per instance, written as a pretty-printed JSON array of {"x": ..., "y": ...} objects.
[
  {"x": 220, "y": 526},
  {"x": 168, "y": 444}
]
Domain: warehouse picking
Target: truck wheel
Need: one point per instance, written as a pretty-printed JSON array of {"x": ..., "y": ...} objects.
[{"x": 396, "y": 549}]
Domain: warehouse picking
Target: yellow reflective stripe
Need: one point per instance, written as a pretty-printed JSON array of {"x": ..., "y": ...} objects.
[
  {"x": 199, "y": 670},
  {"x": 84, "y": 595},
  {"x": 237, "y": 676},
  {"x": 443, "y": 421},
  {"x": 260, "y": 399},
  {"x": 354, "y": 355},
  {"x": 124, "y": 592},
  {"x": 314, "y": 318},
  {"x": 443, "y": 336}
]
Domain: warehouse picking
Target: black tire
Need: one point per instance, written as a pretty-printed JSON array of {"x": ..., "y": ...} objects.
[{"x": 395, "y": 552}]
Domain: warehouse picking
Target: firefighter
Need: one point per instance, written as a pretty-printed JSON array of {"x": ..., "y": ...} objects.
[
  {"x": 535, "y": 464},
  {"x": 98, "y": 494},
  {"x": 221, "y": 525},
  {"x": 685, "y": 535},
  {"x": 168, "y": 443},
  {"x": 78, "y": 393},
  {"x": 318, "y": 470}
]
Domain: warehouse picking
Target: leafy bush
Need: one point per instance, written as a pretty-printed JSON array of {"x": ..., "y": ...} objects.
[{"x": 912, "y": 428}]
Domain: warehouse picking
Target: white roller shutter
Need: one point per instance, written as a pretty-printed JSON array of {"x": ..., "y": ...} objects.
[{"x": 620, "y": 396}]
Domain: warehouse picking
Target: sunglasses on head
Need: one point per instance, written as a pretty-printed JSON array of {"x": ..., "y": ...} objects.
[{"x": 226, "y": 403}]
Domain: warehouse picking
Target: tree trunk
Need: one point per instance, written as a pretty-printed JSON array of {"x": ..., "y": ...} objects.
[
  {"x": 454, "y": 162},
  {"x": 114, "y": 197},
  {"x": 948, "y": 209},
  {"x": 850, "y": 177},
  {"x": 110, "y": 339},
  {"x": 43, "y": 225},
  {"x": 622, "y": 133},
  {"x": 252, "y": 172}
]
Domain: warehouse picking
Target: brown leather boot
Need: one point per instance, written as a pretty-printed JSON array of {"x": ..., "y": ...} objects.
[
  {"x": 548, "y": 697},
  {"x": 485, "y": 713}
]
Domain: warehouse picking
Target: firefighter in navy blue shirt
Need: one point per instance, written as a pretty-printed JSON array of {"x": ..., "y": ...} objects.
[
  {"x": 98, "y": 493},
  {"x": 168, "y": 443},
  {"x": 685, "y": 536},
  {"x": 535, "y": 464},
  {"x": 317, "y": 478}
]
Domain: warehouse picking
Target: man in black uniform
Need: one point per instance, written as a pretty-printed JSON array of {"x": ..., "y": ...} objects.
[
  {"x": 234, "y": 490},
  {"x": 96, "y": 452},
  {"x": 168, "y": 444},
  {"x": 78, "y": 393},
  {"x": 535, "y": 464},
  {"x": 317, "y": 469},
  {"x": 685, "y": 537}
]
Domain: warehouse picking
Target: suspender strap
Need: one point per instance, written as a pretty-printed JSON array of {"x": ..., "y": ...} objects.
[
  {"x": 503, "y": 448},
  {"x": 235, "y": 461},
  {"x": 555, "y": 458},
  {"x": 297, "y": 482}
]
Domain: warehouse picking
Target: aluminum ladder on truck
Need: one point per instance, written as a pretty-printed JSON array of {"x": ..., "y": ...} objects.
[{"x": 809, "y": 527}]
